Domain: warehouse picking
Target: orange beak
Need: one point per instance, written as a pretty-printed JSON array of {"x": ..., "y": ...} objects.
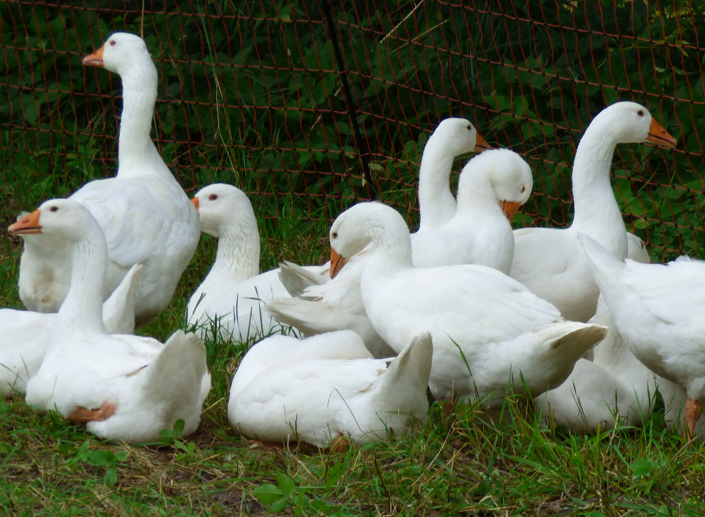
[
  {"x": 195, "y": 203},
  {"x": 95, "y": 59},
  {"x": 481, "y": 144},
  {"x": 509, "y": 208},
  {"x": 336, "y": 263},
  {"x": 659, "y": 136},
  {"x": 27, "y": 225}
]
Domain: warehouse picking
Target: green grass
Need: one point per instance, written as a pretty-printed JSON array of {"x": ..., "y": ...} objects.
[{"x": 465, "y": 467}]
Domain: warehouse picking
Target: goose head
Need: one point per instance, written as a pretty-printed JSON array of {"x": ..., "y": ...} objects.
[
  {"x": 502, "y": 170},
  {"x": 364, "y": 223},
  {"x": 631, "y": 123},
  {"x": 458, "y": 136},
  {"x": 120, "y": 53},
  {"x": 61, "y": 218},
  {"x": 224, "y": 208}
]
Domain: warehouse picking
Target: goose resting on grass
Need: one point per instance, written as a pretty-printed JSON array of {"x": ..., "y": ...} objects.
[
  {"x": 123, "y": 387},
  {"x": 233, "y": 295},
  {"x": 328, "y": 387},
  {"x": 24, "y": 335},
  {"x": 487, "y": 329}
]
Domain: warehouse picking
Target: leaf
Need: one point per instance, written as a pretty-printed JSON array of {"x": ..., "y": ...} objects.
[
  {"x": 111, "y": 476},
  {"x": 286, "y": 484},
  {"x": 267, "y": 493},
  {"x": 642, "y": 467}
]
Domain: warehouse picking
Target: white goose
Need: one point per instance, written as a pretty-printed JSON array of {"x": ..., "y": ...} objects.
[
  {"x": 125, "y": 388},
  {"x": 615, "y": 384},
  {"x": 492, "y": 186},
  {"x": 24, "y": 335},
  {"x": 327, "y": 387},
  {"x": 657, "y": 310},
  {"x": 487, "y": 329},
  {"x": 233, "y": 296},
  {"x": 550, "y": 261},
  {"x": 319, "y": 306},
  {"x": 145, "y": 215}
]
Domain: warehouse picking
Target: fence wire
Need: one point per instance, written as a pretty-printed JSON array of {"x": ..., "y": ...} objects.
[{"x": 310, "y": 106}]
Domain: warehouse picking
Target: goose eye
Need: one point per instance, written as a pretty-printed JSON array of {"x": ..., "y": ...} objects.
[
  {"x": 54, "y": 209},
  {"x": 112, "y": 43},
  {"x": 213, "y": 197},
  {"x": 469, "y": 128},
  {"x": 523, "y": 189},
  {"x": 335, "y": 235},
  {"x": 640, "y": 113}
]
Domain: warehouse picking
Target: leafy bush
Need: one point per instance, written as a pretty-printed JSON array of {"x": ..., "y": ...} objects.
[{"x": 252, "y": 93}]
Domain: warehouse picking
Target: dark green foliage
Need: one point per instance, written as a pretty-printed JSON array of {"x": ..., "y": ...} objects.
[{"x": 250, "y": 95}]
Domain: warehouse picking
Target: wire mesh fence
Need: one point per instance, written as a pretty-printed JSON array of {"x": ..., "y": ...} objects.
[{"x": 312, "y": 105}]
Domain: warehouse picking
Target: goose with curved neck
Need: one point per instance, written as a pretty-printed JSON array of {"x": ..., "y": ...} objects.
[
  {"x": 337, "y": 305},
  {"x": 452, "y": 137},
  {"x": 233, "y": 295},
  {"x": 24, "y": 335},
  {"x": 144, "y": 214},
  {"x": 502, "y": 329},
  {"x": 492, "y": 186},
  {"x": 550, "y": 261},
  {"x": 124, "y": 387}
]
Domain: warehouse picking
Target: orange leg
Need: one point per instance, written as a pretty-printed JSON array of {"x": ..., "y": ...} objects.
[
  {"x": 340, "y": 444},
  {"x": 82, "y": 415},
  {"x": 693, "y": 410},
  {"x": 449, "y": 405}
]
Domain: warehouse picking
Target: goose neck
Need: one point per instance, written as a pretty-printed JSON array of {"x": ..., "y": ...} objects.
[
  {"x": 82, "y": 310},
  {"x": 436, "y": 202},
  {"x": 237, "y": 257},
  {"x": 596, "y": 211},
  {"x": 139, "y": 93},
  {"x": 391, "y": 246},
  {"x": 475, "y": 194}
]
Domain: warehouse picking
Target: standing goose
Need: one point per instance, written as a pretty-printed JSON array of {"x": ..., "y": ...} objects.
[
  {"x": 125, "y": 388},
  {"x": 328, "y": 386},
  {"x": 657, "y": 310},
  {"x": 233, "y": 295},
  {"x": 614, "y": 384},
  {"x": 336, "y": 305},
  {"x": 487, "y": 329},
  {"x": 143, "y": 212},
  {"x": 550, "y": 261},
  {"x": 24, "y": 335}
]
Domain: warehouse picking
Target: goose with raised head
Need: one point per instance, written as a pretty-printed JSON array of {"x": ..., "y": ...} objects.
[
  {"x": 614, "y": 385},
  {"x": 657, "y": 311},
  {"x": 24, "y": 335},
  {"x": 123, "y": 387},
  {"x": 550, "y": 261},
  {"x": 233, "y": 295},
  {"x": 328, "y": 387},
  {"x": 317, "y": 307},
  {"x": 143, "y": 212},
  {"x": 489, "y": 331}
]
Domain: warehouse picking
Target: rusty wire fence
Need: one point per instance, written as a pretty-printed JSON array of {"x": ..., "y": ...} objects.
[{"x": 309, "y": 106}]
